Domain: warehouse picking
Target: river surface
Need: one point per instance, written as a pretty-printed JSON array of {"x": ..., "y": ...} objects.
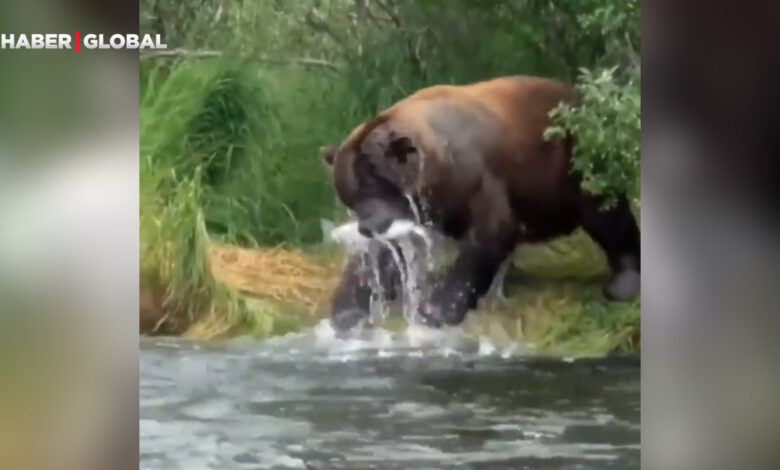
[{"x": 413, "y": 400}]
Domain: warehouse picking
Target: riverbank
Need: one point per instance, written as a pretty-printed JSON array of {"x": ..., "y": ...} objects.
[{"x": 553, "y": 302}]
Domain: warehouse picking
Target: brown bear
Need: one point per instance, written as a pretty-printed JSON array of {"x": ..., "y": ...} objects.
[{"x": 472, "y": 162}]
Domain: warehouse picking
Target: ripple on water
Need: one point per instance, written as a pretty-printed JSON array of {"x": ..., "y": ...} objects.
[
  {"x": 414, "y": 341},
  {"x": 415, "y": 411},
  {"x": 386, "y": 400},
  {"x": 210, "y": 409}
]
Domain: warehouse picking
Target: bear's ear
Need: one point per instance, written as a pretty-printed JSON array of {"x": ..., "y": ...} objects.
[
  {"x": 399, "y": 147},
  {"x": 328, "y": 155}
]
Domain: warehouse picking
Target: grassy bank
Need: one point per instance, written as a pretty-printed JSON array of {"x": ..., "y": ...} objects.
[
  {"x": 232, "y": 121},
  {"x": 553, "y": 304}
]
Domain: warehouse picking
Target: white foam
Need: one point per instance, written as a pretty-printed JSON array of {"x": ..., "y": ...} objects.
[
  {"x": 419, "y": 335},
  {"x": 414, "y": 341},
  {"x": 486, "y": 348}
]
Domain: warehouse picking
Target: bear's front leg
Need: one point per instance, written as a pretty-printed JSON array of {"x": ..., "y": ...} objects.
[
  {"x": 352, "y": 300},
  {"x": 465, "y": 283},
  {"x": 491, "y": 238}
]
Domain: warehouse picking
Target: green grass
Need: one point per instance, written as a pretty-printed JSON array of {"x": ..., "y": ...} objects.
[
  {"x": 558, "y": 291},
  {"x": 243, "y": 134}
]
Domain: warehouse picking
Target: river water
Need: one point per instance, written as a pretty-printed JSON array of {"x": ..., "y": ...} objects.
[{"x": 418, "y": 399}]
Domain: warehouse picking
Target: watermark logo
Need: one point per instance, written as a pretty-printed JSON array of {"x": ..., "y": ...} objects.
[{"x": 77, "y": 41}]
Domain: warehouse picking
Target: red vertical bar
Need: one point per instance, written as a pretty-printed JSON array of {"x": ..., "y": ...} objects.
[{"x": 78, "y": 40}]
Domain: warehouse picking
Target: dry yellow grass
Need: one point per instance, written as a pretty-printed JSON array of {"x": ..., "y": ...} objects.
[{"x": 278, "y": 274}]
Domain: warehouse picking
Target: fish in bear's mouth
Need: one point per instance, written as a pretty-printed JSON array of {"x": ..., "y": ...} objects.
[{"x": 349, "y": 234}]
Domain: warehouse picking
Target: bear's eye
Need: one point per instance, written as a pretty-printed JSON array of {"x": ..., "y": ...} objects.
[
  {"x": 399, "y": 149},
  {"x": 369, "y": 180}
]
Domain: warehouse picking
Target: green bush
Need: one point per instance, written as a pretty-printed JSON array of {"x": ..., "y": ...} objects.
[
  {"x": 606, "y": 123},
  {"x": 606, "y": 126}
]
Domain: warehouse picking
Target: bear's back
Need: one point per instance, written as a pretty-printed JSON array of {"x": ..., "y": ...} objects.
[
  {"x": 521, "y": 103},
  {"x": 516, "y": 106},
  {"x": 503, "y": 120}
]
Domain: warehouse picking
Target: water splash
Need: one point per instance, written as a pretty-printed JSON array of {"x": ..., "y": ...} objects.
[
  {"x": 414, "y": 261},
  {"x": 417, "y": 252},
  {"x": 415, "y": 209},
  {"x": 415, "y": 279},
  {"x": 378, "y": 306},
  {"x": 400, "y": 265}
]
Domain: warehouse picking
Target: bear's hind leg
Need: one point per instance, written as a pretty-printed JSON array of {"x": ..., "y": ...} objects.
[{"x": 616, "y": 231}]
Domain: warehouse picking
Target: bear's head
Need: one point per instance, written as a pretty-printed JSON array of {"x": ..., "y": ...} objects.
[{"x": 376, "y": 173}]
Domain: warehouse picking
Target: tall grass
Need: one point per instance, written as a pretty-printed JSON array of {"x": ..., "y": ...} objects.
[
  {"x": 256, "y": 158},
  {"x": 225, "y": 155}
]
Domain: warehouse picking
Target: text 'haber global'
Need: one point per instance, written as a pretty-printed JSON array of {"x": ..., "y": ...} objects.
[{"x": 76, "y": 41}]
